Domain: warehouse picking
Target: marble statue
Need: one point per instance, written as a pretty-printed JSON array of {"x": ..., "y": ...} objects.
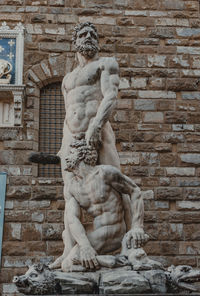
[
  {"x": 90, "y": 93},
  {"x": 5, "y": 69}
]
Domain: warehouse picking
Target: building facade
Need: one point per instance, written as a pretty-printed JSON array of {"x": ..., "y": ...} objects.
[{"x": 156, "y": 122}]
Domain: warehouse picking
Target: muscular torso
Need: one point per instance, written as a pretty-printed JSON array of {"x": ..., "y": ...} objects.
[
  {"x": 82, "y": 89},
  {"x": 105, "y": 205},
  {"x": 82, "y": 95}
]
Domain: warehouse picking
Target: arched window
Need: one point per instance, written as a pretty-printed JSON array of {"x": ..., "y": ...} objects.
[{"x": 52, "y": 114}]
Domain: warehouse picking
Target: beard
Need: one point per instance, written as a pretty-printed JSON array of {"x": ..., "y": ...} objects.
[{"x": 87, "y": 49}]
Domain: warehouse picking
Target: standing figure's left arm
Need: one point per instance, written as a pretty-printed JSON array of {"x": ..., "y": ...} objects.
[{"x": 109, "y": 83}]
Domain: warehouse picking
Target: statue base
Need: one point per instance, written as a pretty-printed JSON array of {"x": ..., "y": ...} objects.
[{"x": 121, "y": 280}]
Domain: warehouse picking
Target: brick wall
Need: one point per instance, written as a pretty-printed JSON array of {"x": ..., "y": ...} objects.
[{"x": 157, "y": 122}]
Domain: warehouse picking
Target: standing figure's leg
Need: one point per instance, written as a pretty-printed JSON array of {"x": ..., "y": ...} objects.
[
  {"x": 66, "y": 235},
  {"x": 67, "y": 240}
]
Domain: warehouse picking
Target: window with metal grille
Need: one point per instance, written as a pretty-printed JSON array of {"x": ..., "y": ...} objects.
[{"x": 52, "y": 114}]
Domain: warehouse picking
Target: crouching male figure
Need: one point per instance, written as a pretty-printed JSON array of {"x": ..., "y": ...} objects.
[{"x": 99, "y": 190}]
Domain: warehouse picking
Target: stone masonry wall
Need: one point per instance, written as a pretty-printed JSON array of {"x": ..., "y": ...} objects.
[{"x": 157, "y": 122}]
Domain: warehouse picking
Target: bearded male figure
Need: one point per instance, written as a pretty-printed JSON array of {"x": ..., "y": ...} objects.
[{"x": 90, "y": 92}]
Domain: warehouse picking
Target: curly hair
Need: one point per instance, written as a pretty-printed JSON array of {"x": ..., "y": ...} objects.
[
  {"x": 83, "y": 152},
  {"x": 80, "y": 27}
]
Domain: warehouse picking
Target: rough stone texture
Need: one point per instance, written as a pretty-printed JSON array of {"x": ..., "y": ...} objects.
[
  {"x": 124, "y": 282},
  {"x": 145, "y": 279},
  {"x": 156, "y": 44}
]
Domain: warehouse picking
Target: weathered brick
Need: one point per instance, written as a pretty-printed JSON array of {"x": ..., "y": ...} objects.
[
  {"x": 190, "y": 73},
  {"x": 54, "y": 47},
  {"x": 34, "y": 29},
  {"x": 188, "y": 205},
  {"x": 150, "y": 159},
  {"x": 157, "y": 61},
  {"x": 195, "y": 60},
  {"x": 188, "y": 50},
  {"x": 122, "y": 116},
  {"x": 172, "y": 22},
  {"x": 192, "y": 5},
  {"x": 54, "y": 248},
  {"x": 55, "y": 216},
  {"x": 8, "y": 134},
  {"x": 124, "y": 104},
  {"x": 17, "y": 261},
  {"x": 191, "y": 232},
  {"x": 164, "y": 181},
  {"x": 139, "y": 83},
  {"x": 166, "y": 231},
  {"x": 129, "y": 158},
  {"x": 182, "y": 127},
  {"x": 67, "y": 19},
  {"x": 191, "y": 95},
  {"x": 98, "y": 20},
  {"x": 18, "y": 145},
  {"x": 189, "y": 248},
  {"x": 157, "y": 83},
  {"x": 153, "y": 94},
  {"x": 8, "y": 205},
  {"x": 124, "y": 83},
  {"x": 185, "y": 182},
  {"x": 12, "y": 231},
  {"x": 180, "y": 171},
  {"x": 135, "y": 13},
  {"x": 38, "y": 18},
  {"x": 192, "y": 193},
  {"x": 11, "y": 170},
  {"x": 188, "y": 147},
  {"x": 54, "y": 30},
  {"x": 168, "y": 159},
  {"x": 56, "y": 2},
  {"x": 19, "y": 192},
  {"x": 16, "y": 249},
  {"x": 37, "y": 217},
  {"x": 181, "y": 84},
  {"x": 168, "y": 193},
  {"x": 148, "y": 194},
  {"x": 144, "y": 105},
  {"x": 188, "y": 32},
  {"x": 17, "y": 215},
  {"x": 136, "y": 171},
  {"x": 154, "y": 117},
  {"x": 173, "y": 5},
  {"x": 52, "y": 231},
  {"x": 175, "y": 117},
  {"x": 179, "y": 61},
  {"x": 190, "y": 158},
  {"x": 31, "y": 232},
  {"x": 44, "y": 192},
  {"x": 35, "y": 248},
  {"x": 162, "y": 32},
  {"x": 152, "y": 205}
]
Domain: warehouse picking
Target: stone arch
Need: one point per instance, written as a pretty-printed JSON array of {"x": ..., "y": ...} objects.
[
  {"x": 38, "y": 76},
  {"x": 49, "y": 70}
]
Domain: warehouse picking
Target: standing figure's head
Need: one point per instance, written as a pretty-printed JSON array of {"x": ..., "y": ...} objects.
[{"x": 86, "y": 40}]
